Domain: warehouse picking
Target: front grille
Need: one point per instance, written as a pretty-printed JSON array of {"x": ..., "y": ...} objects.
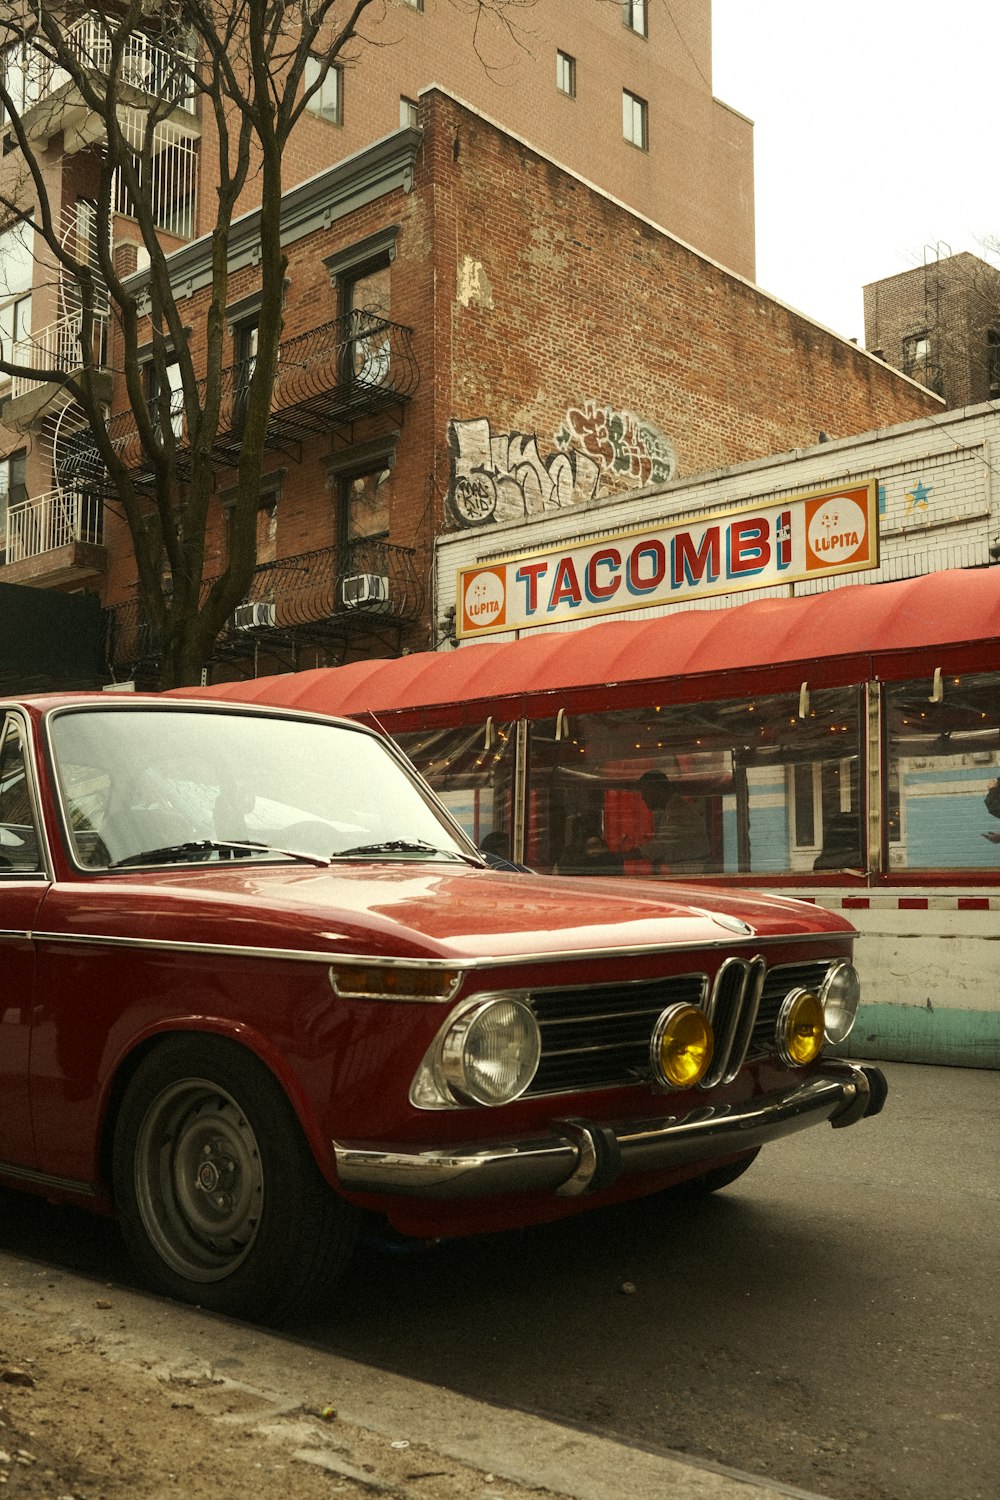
[
  {"x": 777, "y": 984},
  {"x": 598, "y": 1037}
]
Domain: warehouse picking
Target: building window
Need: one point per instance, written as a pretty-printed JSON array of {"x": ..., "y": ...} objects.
[
  {"x": 916, "y": 352},
  {"x": 414, "y": 4},
  {"x": 245, "y": 341},
  {"x": 364, "y": 506},
  {"x": 16, "y": 262},
  {"x": 635, "y": 120},
  {"x": 634, "y": 16},
  {"x": 16, "y": 73},
  {"x": 13, "y": 488},
  {"x": 174, "y": 395},
  {"x": 409, "y": 112},
  {"x": 566, "y": 74},
  {"x": 993, "y": 363},
  {"x": 328, "y": 100}
]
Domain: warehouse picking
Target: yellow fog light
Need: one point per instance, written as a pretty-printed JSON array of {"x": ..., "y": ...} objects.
[
  {"x": 799, "y": 1032},
  {"x": 681, "y": 1047}
]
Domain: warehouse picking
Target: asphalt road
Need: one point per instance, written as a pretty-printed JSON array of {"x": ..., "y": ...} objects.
[{"x": 830, "y": 1322}]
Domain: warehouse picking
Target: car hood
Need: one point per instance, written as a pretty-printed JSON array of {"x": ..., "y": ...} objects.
[{"x": 420, "y": 910}]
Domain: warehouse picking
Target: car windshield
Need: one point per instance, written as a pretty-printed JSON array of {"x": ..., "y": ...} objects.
[{"x": 166, "y": 785}]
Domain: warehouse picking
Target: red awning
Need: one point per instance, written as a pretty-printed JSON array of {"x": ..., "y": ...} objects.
[{"x": 945, "y": 608}]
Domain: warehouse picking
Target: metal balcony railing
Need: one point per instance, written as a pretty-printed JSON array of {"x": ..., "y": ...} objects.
[
  {"x": 145, "y": 65},
  {"x": 348, "y": 368},
  {"x": 315, "y": 599},
  {"x": 53, "y": 520},
  {"x": 56, "y": 347}
]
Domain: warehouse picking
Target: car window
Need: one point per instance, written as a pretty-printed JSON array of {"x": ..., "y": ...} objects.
[
  {"x": 150, "y": 785},
  {"x": 18, "y": 834}
]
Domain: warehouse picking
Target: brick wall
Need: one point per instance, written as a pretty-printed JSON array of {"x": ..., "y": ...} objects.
[
  {"x": 954, "y": 301},
  {"x": 560, "y": 298},
  {"x": 697, "y": 176},
  {"x": 533, "y": 297}
]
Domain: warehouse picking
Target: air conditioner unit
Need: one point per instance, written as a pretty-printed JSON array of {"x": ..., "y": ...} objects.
[
  {"x": 252, "y": 616},
  {"x": 366, "y": 591}
]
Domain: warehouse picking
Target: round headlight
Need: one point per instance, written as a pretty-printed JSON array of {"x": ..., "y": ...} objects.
[
  {"x": 840, "y": 995},
  {"x": 681, "y": 1047},
  {"x": 490, "y": 1055},
  {"x": 799, "y": 1031}
]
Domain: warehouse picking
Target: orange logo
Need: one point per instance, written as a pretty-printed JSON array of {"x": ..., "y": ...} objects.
[
  {"x": 836, "y": 532},
  {"x": 484, "y": 600}
]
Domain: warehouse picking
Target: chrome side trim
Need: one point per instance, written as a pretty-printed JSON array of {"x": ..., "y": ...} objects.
[
  {"x": 566, "y": 1159},
  {"x": 30, "y": 1177},
  {"x": 467, "y": 965}
]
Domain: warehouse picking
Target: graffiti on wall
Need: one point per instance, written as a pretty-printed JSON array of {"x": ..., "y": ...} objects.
[
  {"x": 503, "y": 476},
  {"x": 623, "y": 444}
]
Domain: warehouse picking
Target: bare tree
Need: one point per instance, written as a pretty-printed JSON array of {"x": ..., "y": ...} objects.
[{"x": 254, "y": 65}]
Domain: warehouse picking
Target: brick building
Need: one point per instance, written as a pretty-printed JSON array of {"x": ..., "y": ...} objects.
[
  {"x": 940, "y": 324},
  {"x": 472, "y": 333}
]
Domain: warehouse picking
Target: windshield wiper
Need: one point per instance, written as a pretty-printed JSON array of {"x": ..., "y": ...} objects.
[
  {"x": 196, "y": 849},
  {"x": 399, "y": 846}
]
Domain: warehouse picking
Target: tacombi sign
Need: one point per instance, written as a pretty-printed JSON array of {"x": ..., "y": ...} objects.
[{"x": 807, "y": 536}]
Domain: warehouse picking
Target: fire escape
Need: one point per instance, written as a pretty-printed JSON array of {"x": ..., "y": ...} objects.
[
  {"x": 339, "y": 374},
  {"x": 55, "y": 535}
]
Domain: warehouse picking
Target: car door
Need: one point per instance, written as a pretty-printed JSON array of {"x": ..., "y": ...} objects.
[{"x": 23, "y": 883}]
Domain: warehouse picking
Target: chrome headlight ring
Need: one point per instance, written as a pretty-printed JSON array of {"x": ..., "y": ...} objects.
[{"x": 486, "y": 1053}]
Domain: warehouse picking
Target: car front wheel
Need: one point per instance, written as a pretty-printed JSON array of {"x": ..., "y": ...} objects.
[{"x": 219, "y": 1198}]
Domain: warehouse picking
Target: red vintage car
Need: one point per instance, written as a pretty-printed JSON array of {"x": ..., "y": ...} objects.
[{"x": 259, "y": 986}]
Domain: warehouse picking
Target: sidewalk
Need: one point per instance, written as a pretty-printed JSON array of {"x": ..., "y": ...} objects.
[{"x": 105, "y": 1393}]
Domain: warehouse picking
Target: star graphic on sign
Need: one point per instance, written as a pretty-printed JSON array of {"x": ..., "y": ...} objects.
[{"x": 917, "y": 497}]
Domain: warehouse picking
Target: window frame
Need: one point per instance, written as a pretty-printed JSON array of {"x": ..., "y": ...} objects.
[
  {"x": 15, "y": 295},
  {"x": 635, "y": 17},
  {"x": 634, "y": 108},
  {"x": 916, "y": 351},
  {"x": 315, "y": 105},
  {"x": 565, "y": 68}
]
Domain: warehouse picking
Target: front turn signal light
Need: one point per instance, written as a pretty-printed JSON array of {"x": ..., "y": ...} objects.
[
  {"x": 800, "y": 1029},
  {"x": 681, "y": 1047}
]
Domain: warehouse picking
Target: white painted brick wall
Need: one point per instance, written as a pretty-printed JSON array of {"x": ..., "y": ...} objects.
[{"x": 949, "y": 523}]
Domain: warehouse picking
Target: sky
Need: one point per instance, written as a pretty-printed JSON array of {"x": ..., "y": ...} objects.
[{"x": 876, "y": 139}]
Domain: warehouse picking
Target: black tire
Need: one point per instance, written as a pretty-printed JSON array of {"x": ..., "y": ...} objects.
[
  {"x": 219, "y": 1198},
  {"x": 719, "y": 1177}
]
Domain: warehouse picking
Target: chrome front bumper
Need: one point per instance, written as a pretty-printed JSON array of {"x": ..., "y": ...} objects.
[{"x": 580, "y": 1156}]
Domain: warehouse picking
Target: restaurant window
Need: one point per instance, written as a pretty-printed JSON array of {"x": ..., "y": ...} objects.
[
  {"x": 942, "y": 758},
  {"x": 686, "y": 791},
  {"x": 472, "y": 771}
]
